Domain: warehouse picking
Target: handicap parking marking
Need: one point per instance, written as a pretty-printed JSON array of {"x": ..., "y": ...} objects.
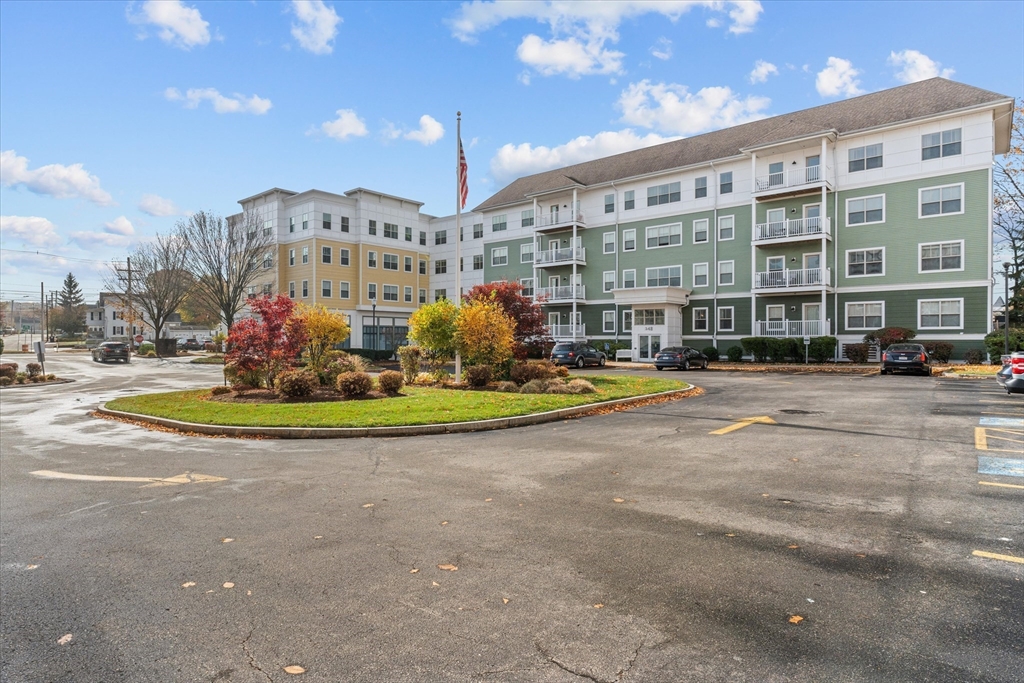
[
  {"x": 1003, "y": 467},
  {"x": 1002, "y": 422},
  {"x": 997, "y": 556},
  {"x": 991, "y": 438}
]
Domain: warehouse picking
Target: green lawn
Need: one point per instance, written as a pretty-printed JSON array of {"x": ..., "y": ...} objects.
[{"x": 419, "y": 405}]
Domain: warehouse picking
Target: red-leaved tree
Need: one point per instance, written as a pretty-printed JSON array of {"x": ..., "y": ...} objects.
[
  {"x": 262, "y": 346},
  {"x": 524, "y": 311}
]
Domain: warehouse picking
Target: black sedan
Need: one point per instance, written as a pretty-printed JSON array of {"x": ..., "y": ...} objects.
[
  {"x": 110, "y": 350},
  {"x": 906, "y": 358},
  {"x": 577, "y": 353},
  {"x": 681, "y": 357}
]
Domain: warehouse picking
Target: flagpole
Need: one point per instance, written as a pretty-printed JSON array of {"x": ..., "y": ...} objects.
[{"x": 458, "y": 231}]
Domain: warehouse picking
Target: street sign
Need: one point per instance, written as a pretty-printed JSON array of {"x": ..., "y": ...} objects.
[
  {"x": 40, "y": 350},
  {"x": 138, "y": 339},
  {"x": 807, "y": 341}
]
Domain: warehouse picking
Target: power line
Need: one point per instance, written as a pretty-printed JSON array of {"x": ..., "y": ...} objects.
[{"x": 43, "y": 253}]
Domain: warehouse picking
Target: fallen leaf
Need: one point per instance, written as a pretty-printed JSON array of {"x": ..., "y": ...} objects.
[
  {"x": 764, "y": 495},
  {"x": 317, "y": 538},
  {"x": 488, "y": 500},
  {"x": 414, "y": 571},
  {"x": 809, "y": 600},
  {"x": 599, "y": 605},
  {"x": 861, "y": 555},
  {"x": 792, "y": 547},
  {"x": 226, "y": 540},
  {"x": 210, "y": 591},
  {"x": 228, "y": 584},
  {"x": 188, "y": 584},
  {"x": 64, "y": 639},
  {"x": 294, "y": 669},
  {"x": 448, "y": 567},
  {"x": 248, "y": 592},
  {"x": 795, "y": 619},
  {"x": 368, "y": 505},
  {"x": 795, "y": 459},
  {"x": 445, "y": 523},
  {"x": 618, "y": 500},
  {"x": 504, "y": 601},
  {"x": 787, "y": 502},
  {"x": 731, "y": 535},
  {"x": 32, "y": 566},
  {"x": 615, "y": 473},
  {"x": 435, "y": 583}
]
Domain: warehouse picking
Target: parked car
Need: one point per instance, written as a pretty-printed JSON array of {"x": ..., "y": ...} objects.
[
  {"x": 110, "y": 350},
  {"x": 1011, "y": 375},
  {"x": 681, "y": 358},
  {"x": 906, "y": 358},
  {"x": 193, "y": 345},
  {"x": 577, "y": 353}
]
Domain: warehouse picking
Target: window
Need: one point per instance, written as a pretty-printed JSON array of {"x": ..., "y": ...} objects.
[
  {"x": 408, "y": 234},
  {"x": 865, "y": 157},
  {"x": 609, "y": 203},
  {"x": 941, "y": 256},
  {"x": 305, "y": 254},
  {"x": 390, "y": 261},
  {"x": 629, "y": 200},
  {"x": 343, "y": 290},
  {"x": 305, "y": 289},
  {"x": 440, "y": 237},
  {"x": 526, "y": 253},
  {"x": 268, "y": 260},
  {"x": 478, "y": 230},
  {"x": 936, "y": 201},
  {"x": 865, "y": 316},
  {"x": 391, "y": 230},
  {"x": 390, "y": 292},
  {"x": 725, "y": 318},
  {"x": 627, "y": 321},
  {"x": 527, "y": 283},
  {"x": 325, "y": 254},
  {"x": 408, "y": 264},
  {"x": 291, "y": 257},
  {"x": 700, "y": 275},
  {"x": 267, "y": 290},
  {"x": 291, "y": 290},
  {"x": 268, "y": 227},
  {"x": 499, "y": 256},
  {"x": 700, "y": 231},
  {"x": 628, "y": 279},
  {"x": 668, "y": 276},
  {"x": 725, "y": 183},
  {"x": 461, "y": 261},
  {"x": 726, "y": 228},
  {"x": 725, "y": 272},
  {"x": 440, "y": 294},
  {"x": 664, "y": 235},
  {"x": 649, "y": 316},
  {"x": 940, "y": 313},
  {"x": 499, "y": 223},
  {"x": 629, "y": 240},
  {"x": 423, "y": 238},
  {"x": 608, "y": 321},
  {"x": 423, "y": 296},
  {"x": 327, "y": 221},
  {"x": 440, "y": 267},
  {"x": 291, "y": 224},
  {"x": 862, "y": 262},
  {"x": 865, "y": 210},
  {"x": 662, "y": 194},
  {"x": 944, "y": 144},
  {"x": 344, "y": 223},
  {"x": 700, "y": 320},
  {"x": 527, "y": 218},
  {"x": 371, "y": 291},
  {"x": 371, "y": 259},
  {"x": 407, "y": 295},
  {"x": 700, "y": 187},
  {"x": 423, "y": 267},
  {"x": 305, "y": 221},
  {"x": 343, "y": 257},
  {"x": 325, "y": 289},
  {"x": 373, "y": 227},
  {"x": 608, "y": 280},
  {"x": 608, "y": 243}
]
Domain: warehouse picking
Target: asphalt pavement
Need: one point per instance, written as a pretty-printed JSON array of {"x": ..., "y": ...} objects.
[{"x": 829, "y": 531}]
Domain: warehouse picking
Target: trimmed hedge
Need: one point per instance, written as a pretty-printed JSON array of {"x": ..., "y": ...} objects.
[
  {"x": 478, "y": 375},
  {"x": 734, "y": 354},
  {"x": 525, "y": 372},
  {"x": 390, "y": 381},
  {"x": 297, "y": 383},
  {"x": 974, "y": 356},
  {"x": 353, "y": 384},
  {"x": 822, "y": 349},
  {"x": 939, "y": 351},
  {"x": 995, "y": 341},
  {"x": 757, "y": 347},
  {"x": 711, "y": 352},
  {"x": 858, "y": 353}
]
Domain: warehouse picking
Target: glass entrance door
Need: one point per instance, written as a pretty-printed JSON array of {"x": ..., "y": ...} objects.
[{"x": 650, "y": 345}]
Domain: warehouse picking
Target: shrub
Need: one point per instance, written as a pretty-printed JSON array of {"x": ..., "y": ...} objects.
[
  {"x": 939, "y": 351},
  {"x": 51, "y": 377},
  {"x": 424, "y": 378},
  {"x": 822, "y": 349},
  {"x": 410, "y": 358},
  {"x": 581, "y": 386},
  {"x": 757, "y": 347},
  {"x": 560, "y": 371},
  {"x": 5, "y": 381},
  {"x": 8, "y": 370},
  {"x": 888, "y": 336},
  {"x": 974, "y": 356},
  {"x": 857, "y": 353},
  {"x": 336, "y": 363},
  {"x": 219, "y": 391},
  {"x": 146, "y": 347},
  {"x": 21, "y": 378},
  {"x": 508, "y": 387},
  {"x": 390, "y": 381},
  {"x": 354, "y": 384},
  {"x": 735, "y": 354},
  {"x": 526, "y": 372},
  {"x": 782, "y": 349},
  {"x": 711, "y": 352},
  {"x": 557, "y": 388},
  {"x": 995, "y": 342},
  {"x": 34, "y": 369},
  {"x": 150, "y": 354},
  {"x": 1, "y": 345},
  {"x": 534, "y": 386},
  {"x": 236, "y": 377},
  {"x": 297, "y": 383},
  {"x": 478, "y": 375}
]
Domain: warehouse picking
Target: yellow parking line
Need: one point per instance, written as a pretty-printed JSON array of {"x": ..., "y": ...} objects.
[
  {"x": 995, "y": 412},
  {"x": 980, "y": 439},
  {"x": 996, "y": 556},
  {"x": 997, "y": 483}
]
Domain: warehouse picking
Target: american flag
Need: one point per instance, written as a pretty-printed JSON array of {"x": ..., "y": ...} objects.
[{"x": 463, "y": 177}]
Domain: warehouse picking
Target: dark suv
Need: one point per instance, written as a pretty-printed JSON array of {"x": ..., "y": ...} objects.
[
  {"x": 110, "y": 350},
  {"x": 577, "y": 353}
]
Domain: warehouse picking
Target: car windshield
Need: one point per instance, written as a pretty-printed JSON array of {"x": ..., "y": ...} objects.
[
  {"x": 562, "y": 347},
  {"x": 672, "y": 349},
  {"x": 906, "y": 347}
]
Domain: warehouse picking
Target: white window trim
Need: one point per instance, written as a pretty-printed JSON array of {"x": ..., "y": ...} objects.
[
  {"x": 376, "y": 292},
  {"x": 605, "y": 243},
  {"x": 627, "y": 313},
  {"x": 718, "y": 274},
  {"x": 940, "y": 327},
  {"x": 523, "y": 252},
  {"x": 330, "y": 284},
  {"x": 348, "y": 289},
  {"x": 854, "y": 277},
  {"x": 607, "y": 321},
  {"x": 494, "y": 251},
  {"x": 605, "y": 282},
  {"x": 398, "y": 293},
  {"x": 846, "y": 315},
  {"x": 718, "y": 319},
  {"x": 707, "y": 230},
  {"x": 846, "y": 216},
  {"x": 629, "y": 270},
  {"x": 707, "y": 274},
  {"x": 707, "y": 320},
  {"x": 624, "y": 233},
  {"x": 679, "y": 266},
  {"x": 963, "y": 200},
  {"x": 397, "y": 262},
  {"x": 719, "y": 228},
  {"x": 648, "y": 229},
  {"x": 922, "y": 245}
]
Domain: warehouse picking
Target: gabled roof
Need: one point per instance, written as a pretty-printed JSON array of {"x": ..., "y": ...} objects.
[{"x": 904, "y": 103}]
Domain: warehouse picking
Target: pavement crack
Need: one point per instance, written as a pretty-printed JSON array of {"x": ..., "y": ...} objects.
[
  {"x": 632, "y": 660},
  {"x": 252, "y": 660},
  {"x": 548, "y": 656}
]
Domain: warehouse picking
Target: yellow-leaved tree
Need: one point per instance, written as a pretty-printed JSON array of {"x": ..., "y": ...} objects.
[
  {"x": 325, "y": 329},
  {"x": 484, "y": 334}
]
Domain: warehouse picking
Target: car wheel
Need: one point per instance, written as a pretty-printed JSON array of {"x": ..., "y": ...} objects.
[
  {"x": 704, "y": 365},
  {"x": 659, "y": 369},
  {"x": 685, "y": 365},
  {"x": 580, "y": 362},
  {"x": 602, "y": 361}
]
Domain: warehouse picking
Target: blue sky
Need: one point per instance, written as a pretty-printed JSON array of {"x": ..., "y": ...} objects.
[{"x": 117, "y": 118}]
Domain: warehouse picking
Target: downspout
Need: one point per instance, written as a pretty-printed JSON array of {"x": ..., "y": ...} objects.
[
  {"x": 714, "y": 256},
  {"x": 536, "y": 253},
  {"x": 835, "y": 245},
  {"x": 823, "y": 216},
  {"x": 615, "y": 194},
  {"x": 753, "y": 245},
  {"x": 572, "y": 247}
]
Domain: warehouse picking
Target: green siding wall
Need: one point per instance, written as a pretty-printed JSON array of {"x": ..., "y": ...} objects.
[{"x": 901, "y": 308}]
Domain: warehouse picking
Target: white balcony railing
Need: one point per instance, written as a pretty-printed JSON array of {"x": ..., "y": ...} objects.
[
  {"x": 800, "y": 227},
  {"x": 562, "y": 293},
  {"x": 550, "y": 220},
  {"x": 567, "y": 331},
  {"x": 568, "y": 255},
  {"x": 791, "y": 178},
  {"x": 792, "y": 328},
  {"x": 790, "y": 279}
]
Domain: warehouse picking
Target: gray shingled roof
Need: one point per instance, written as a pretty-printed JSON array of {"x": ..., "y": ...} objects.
[{"x": 904, "y": 103}]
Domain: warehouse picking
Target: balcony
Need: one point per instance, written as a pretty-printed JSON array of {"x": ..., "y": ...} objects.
[
  {"x": 561, "y": 257},
  {"x": 566, "y": 331},
  {"x": 793, "y": 230},
  {"x": 559, "y": 219},
  {"x": 792, "y": 328},
  {"x": 793, "y": 280},
  {"x": 792, "y": 181},
  {"x": 563, "y": 294}
]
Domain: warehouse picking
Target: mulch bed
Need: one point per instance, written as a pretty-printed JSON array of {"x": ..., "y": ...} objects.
[{"x": 320, "y": 396}]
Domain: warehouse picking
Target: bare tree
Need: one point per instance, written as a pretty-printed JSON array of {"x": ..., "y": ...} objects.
[
  {"x": 225, "y": 257},
  {"x": 1008, "y": 212}
]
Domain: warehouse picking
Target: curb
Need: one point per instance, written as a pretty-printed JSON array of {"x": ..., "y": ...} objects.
[{"x": 409, "y": 430}]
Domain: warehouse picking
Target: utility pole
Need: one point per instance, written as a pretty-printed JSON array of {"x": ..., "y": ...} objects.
[
  {"x": 42, "y": 310},
  {"x": 127, "y": 272}
]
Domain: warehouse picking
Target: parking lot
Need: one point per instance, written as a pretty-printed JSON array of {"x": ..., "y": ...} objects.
[{"x": 781, "y": 527}]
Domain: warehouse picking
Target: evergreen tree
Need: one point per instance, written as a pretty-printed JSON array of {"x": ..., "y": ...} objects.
[{"x": 71, "y": 296}]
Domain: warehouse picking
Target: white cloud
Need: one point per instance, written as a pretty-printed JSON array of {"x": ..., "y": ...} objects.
[
  {"x": 120, "y": 226},
  {"x": 671, "y": 108},
  {"x": 762, "y": 70},
  {"x": 89, "y": 240},
  {"x": 239, "y": 104},
  {"x": 513, "y": 161},
  {"x": 178, "y": 24},
  {"x": 915, "y": 66},
  {"x": 30, "y": 230},
  {"x": 524, "y": 78},
  {"x": 155, "y": 205},
  {"x": 662, "y": 49},
  {"x": 317, "y": 27},
  {"x": 838, "y": 78},
  {"x": 347, "y": 125},
  {"x": 570, "y": 57},
  {"x": 56, "y": 180},
  {"x": 430, "y": 131}
]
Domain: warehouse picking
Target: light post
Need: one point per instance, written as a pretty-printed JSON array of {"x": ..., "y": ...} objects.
[{"x": 1006, "y": 307}]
